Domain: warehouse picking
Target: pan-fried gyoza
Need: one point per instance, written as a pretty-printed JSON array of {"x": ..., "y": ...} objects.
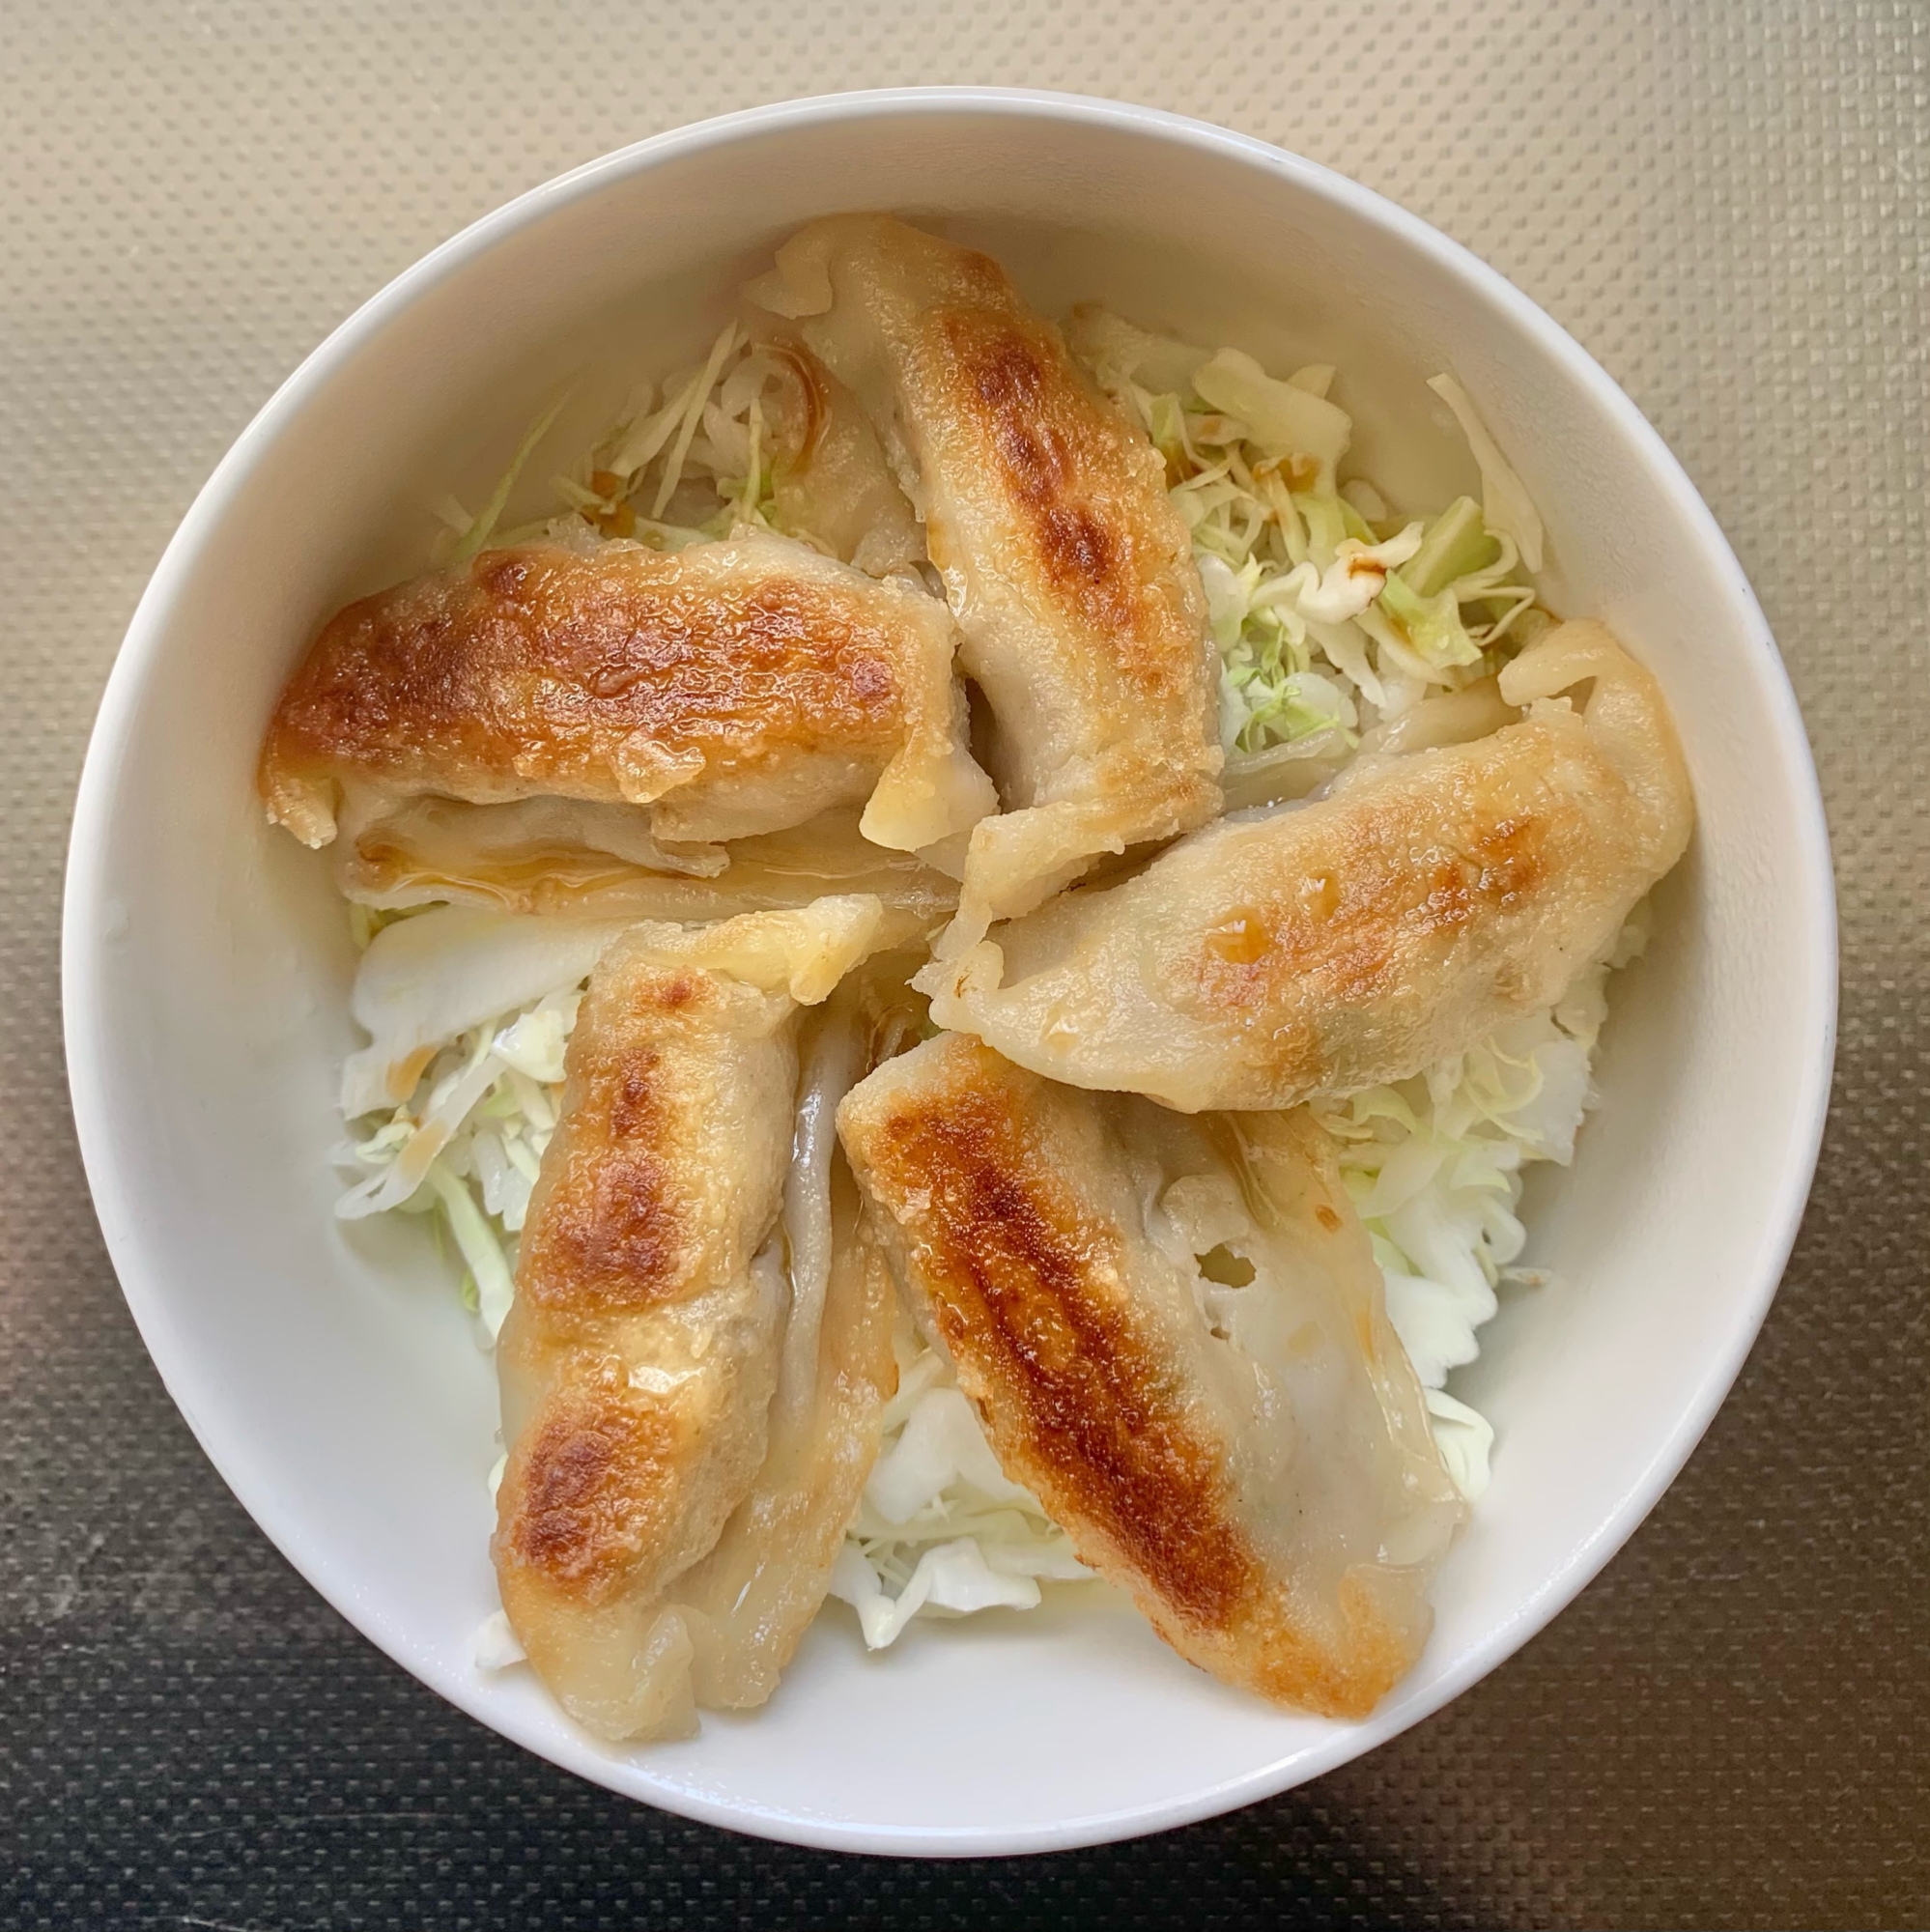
[
  {"x": 1249, "y": 1456},
  {"x": 1078, "y": 603},
  {"x": 879, "y": 1186},
  {"x": 733, "y": 688},
  {"x": 648, "y": 1338},
  {"x": 1324, "y": 947}
]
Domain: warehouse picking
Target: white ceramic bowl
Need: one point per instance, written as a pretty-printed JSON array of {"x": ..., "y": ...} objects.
[{"x": 335, "y": 1382}]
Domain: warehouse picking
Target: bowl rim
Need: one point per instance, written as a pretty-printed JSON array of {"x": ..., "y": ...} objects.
[{"x": 86, "y": 916}]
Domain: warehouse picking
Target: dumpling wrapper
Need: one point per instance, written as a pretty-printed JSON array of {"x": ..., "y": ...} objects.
[
  {"x": 1071, "y": 576},
  {"x": 743, "y": 1610},
  {"x": 830, "y": 478},
  {"x": 639, "y": 1362},
  {"x": 565, "y": 858},
  {"x": 744, "y": 1607},
  {"x": 1238, "y": 1440},
  {"x": 732, "y": 687},
  {"x": 1325, "y": 947}
]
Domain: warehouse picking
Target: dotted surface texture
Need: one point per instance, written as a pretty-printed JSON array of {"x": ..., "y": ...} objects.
[{"x": 1726, "y": 202}]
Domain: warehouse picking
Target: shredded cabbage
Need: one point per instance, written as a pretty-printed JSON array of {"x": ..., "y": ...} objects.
[
  {"x": 1505, "y": 503},
  {"x": 939, "y": 1529},
  {"x": 1332, "y": 614},
  {"x": 469, "y": 540},
  {"x": 1329, "y": 611},
  {"x": 1435, "y": 1168},
  {"x": 496, "y": 1646},
  {"x": 1433, "y": 1165},
  {"x": 685, "y": 462},
  {"x": 465, "y": 1141}
]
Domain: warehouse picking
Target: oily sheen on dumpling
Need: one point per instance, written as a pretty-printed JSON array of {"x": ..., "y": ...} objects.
[
  {"x": 641, "y": 1358},
  {"x": 1330, "y": 946},
  {"x": 732, "y": 687},
  {"x": 1071, "y": 576},
  {"x": 559, "y": 856},
  {"x": 1175, "y": 1336}
]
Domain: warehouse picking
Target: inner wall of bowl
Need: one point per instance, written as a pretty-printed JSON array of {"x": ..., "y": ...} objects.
[{"x": 334, "y": 1378}]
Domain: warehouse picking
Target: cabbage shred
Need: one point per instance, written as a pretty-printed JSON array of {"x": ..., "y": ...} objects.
[
  {"x": 1435, "y": 1167},
  {"x": 686, "y": 460},
  {"x": 1330, "y": 613},
  {"x": 939, "y": 1529},
  {"x": 478, "y": 1182}
]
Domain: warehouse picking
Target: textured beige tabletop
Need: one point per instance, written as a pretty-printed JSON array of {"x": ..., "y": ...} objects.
[{"x": 1729, "y": 204}]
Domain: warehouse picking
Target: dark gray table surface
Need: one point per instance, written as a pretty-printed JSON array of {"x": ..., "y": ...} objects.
[{"x": 1730, "y": 204}]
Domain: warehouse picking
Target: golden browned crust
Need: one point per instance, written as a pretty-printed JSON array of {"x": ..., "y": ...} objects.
[
  {"x": 637, "y": 1361},
  {"x": 1395, "y": 890},
  {"x": 611, "y": 1229},
  {"x": 1067, "y": 466},
  {"x": 1024, "y": 1286},
  {"x": 1085, "y": 501},
  {"x": 1430, "y": 897},
  {"x": 1349, "y": 920},
  {"x": 1003, "y": 1195},
  {"x": 589, "y": 1492},
  {"x": 540, "y": 668}
]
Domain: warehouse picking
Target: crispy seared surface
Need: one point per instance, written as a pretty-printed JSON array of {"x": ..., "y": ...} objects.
[
  {"x": 1026, "y": 1285},
  {"x": 1081, "y": 498},
  {"x": 638, "y": 1359},
  {"x": 1080, "y": 609},
  {"x": 624, "y": 1219},
  {"x": 614, "y": 675},
  {"x": 1437, "y": 898},
  {"x": 1373, "y": 901},
  {"x": 1357, "y": 939},
  {"x": 1176, "y": 1460},
  {"x": 594, "y": 1486}
]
